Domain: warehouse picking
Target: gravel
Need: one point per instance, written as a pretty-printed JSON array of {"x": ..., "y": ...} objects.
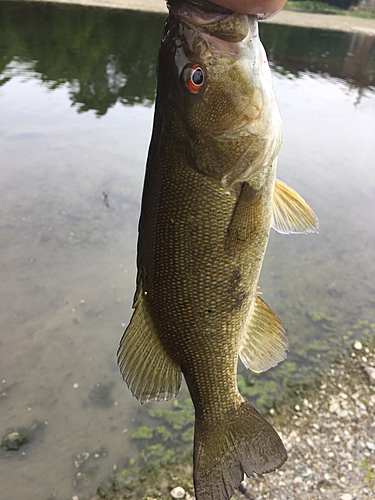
[{"x": 329, "y": 436}]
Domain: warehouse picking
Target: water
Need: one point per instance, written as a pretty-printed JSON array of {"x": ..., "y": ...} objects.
[{"x": 75, "y": 121}]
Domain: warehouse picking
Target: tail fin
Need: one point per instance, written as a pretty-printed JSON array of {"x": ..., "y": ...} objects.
[{"x": 243, "y": 443}]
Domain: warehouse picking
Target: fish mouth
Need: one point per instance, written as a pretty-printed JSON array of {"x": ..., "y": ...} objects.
[
  {"x": 211, "y": 19},
  {"x": 200, "y": 11}
]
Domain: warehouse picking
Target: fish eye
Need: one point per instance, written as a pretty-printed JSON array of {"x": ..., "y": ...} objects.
[{"x": 194, "y": 78}]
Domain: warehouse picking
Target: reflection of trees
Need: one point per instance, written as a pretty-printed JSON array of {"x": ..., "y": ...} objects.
[
  {"x": 349, "y": 56},
  {"x": 105, "y": 55},
  {"x": 108, "y": 56}
]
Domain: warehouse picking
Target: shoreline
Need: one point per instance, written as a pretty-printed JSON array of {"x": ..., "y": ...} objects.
[
  {"x": 346, "y": 23},
  {"x": 327, "y": 429}
]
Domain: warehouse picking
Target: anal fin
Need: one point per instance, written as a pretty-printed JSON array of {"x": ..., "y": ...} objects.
[
  {"x": 291, "y": 214},
  {"x": 145, "y": 366},
  {"x": 264, "y": 343}
]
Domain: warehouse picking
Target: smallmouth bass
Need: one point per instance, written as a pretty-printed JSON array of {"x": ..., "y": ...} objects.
[{"x": 209, "y": 201}]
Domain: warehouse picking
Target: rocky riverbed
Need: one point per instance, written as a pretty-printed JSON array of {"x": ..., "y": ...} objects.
[
  {"x": 328, "y": 430},
  {"x": 330, "y": 436}
]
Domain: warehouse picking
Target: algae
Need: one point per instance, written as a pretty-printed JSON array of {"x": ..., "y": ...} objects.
[
  {"x": 158, "y": 451},
  {"x": 188, "y": 436},
  {"x": 163, "y": 432},
  {"x": 143, "y": 432},
  {"x": 360, "y": 325},
  {"x": 285, "y": 371},
  {"x": 263, "y": 389},
  {"x": 128, "y": 474},
  {"x": 181, "y": 415},
  {"x": 167, "y": 442},
  {"x": 318, "y": 316},
  {"x": 160, "y": 473},
  {"x": 314, "y": 346}
]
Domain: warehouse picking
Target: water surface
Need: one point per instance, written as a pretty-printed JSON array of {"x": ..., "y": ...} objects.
[{"x": 76, "y": 109}]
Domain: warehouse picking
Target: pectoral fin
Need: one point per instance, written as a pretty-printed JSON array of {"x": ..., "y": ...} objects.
[
  {"x": 246, "y": 221},
  {"x": 291, "y": 214},
  {"x": 145, "y": 366},
  {"x": 264, "y": 343}
]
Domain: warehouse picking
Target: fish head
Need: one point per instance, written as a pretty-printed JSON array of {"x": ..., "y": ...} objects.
[{"x": 214, "y": 75}]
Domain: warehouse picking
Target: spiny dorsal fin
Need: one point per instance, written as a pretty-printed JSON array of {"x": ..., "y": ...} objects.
[
  {"x": 291, "y": 214},
  {"x": 264, "y": 343},
  {"x": 145, "y": 366}
]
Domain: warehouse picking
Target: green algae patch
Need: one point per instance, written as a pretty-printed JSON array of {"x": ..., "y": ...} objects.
[
  {"x": 158, "y": 451},
  {"x": 314, "y": 346},
  {"x": 188, "y": 436},
  {"x": 155, "y": 479},
  {"x": 143, "y": 432},
  {"x": 286, "y": 370},
  {"x": 127, "y": 475},
  {"x": 318, "y": 316},
  {"x": 264, "y": 390},
  {"x": 163, "y": 432},
  {"x": 182, "y": 414}
]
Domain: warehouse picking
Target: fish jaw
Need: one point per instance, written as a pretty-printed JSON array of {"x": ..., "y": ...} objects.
[{"x": 237, "y": 109}]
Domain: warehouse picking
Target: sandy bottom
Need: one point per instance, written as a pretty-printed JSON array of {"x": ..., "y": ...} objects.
[{"x": 323, "y": 21}]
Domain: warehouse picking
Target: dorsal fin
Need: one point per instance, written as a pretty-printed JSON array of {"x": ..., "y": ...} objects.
[
  {"x": 145, "y": 366},
  {"x": 264, "y": 343},
  {"x": 291, "y": 214}
]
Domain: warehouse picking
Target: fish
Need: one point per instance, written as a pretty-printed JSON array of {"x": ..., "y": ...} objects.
[{"x": 210, "y": 199}]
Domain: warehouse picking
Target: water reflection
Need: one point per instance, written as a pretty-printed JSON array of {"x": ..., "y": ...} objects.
[
  {"x": 108, "y": 56},
  {"x": 104, "y": 55},
  {"x": 347, "y": 56}
]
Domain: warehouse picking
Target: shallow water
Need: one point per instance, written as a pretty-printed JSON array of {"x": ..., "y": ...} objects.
[{"x": 75, "y": 121}]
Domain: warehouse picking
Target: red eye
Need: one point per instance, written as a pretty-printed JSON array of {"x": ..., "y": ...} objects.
[{"x": 195, "y": 81}]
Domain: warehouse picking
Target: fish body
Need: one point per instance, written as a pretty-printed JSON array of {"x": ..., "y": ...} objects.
[{"x": 210, "y": 198}]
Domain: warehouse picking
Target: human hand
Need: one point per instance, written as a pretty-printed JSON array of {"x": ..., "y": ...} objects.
[{"x": 260, "y": 8}]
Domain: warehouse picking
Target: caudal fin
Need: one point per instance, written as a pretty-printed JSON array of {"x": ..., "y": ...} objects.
[{"x": 244, "y": 443}]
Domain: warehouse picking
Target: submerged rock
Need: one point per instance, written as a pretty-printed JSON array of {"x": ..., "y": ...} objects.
[
  {"x": 14, "y": 440},
  {"x": 371, "y": 374},
  {"x": 357, "y": 345},
  {"x": 178, "y": 492}
]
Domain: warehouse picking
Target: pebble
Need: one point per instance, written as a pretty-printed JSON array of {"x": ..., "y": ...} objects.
[
  {"x": 178, "y": 492},
  {"x": 370, "y": 446},
  {"x": 334, "y": 407},
  {"x": 371, "y": 374},
  {"x": 357, "y": 345},
  {"x": 346, "y": 496},
  {"x": 14, "y": 440}
]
